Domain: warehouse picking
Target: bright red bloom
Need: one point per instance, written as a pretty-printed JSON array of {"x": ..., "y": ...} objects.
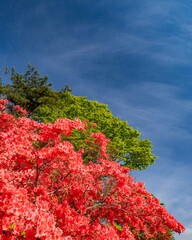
[{"x": 46, "y": 192}]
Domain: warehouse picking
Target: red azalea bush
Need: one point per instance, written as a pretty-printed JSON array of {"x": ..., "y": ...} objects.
[{"x": 46, "y": 192}]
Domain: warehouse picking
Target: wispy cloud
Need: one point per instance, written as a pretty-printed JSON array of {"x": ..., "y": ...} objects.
[
  {"x": 157, "y": 108},
  {"x": 79, "y": 47}
]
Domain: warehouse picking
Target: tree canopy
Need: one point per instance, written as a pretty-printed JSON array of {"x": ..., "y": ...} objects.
[
  {"x": 125, "y": 144},
  {"x": 27, "y": 90},
  {"x": 46, "y": 192},
  {"x": 33, "y": 93}
]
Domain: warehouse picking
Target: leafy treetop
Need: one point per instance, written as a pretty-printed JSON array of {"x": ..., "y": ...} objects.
[
  {"x": 125, "y": 145},
  {"x": 27, "y": 90}
]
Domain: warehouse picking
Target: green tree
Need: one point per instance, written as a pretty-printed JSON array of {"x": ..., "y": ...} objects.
[
  {"x": 33, "y": 93},
  {"x": 125, "y": 145},
  {"x": 28, "y": 90}
]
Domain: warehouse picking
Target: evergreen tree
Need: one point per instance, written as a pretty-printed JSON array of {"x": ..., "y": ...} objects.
[{"x": 28, "y": 90}]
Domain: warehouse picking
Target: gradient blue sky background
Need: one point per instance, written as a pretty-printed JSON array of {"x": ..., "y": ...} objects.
[{"x": 135, "y": 56}]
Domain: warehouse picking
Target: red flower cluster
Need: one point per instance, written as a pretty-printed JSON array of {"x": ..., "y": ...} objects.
[{"x": 46, "y": 192}]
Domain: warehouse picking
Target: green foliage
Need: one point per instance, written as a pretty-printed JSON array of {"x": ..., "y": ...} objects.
[
  {"x": 125, "y": 144},
  {"x": 28, "y": 90},
  {"x": 118, "y": 226},
  {"x": 83, "y": 140},
  {"x": 33, "y": 93}
]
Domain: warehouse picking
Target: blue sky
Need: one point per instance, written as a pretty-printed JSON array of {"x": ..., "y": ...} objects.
[{"x": 135, "y": 56}]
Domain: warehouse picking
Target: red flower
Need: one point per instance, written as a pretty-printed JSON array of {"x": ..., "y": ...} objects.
[{"x": 46, "y": 192}]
